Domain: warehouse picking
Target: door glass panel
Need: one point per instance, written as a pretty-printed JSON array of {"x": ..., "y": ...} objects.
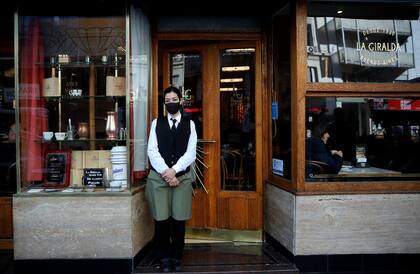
[
  {"x": 237, "y": 119},
  {"x": 186, "y": 74}
]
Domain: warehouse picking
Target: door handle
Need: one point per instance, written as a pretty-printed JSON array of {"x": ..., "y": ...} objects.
[{"x": 206, "y": 141}]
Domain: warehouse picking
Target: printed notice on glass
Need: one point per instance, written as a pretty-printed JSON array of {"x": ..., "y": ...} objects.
[
  {"x": 93, "y": 176},
  {"x": 278, "y": 167}
]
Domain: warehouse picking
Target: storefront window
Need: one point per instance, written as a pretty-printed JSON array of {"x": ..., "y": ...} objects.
[
  {"x": 75, "y": 111},
  {"x": 237, "y": 120},
  {"x": 362, "y": 139},
  {"x": 357, "y": 43},
  {"x": 281, "y": 95},
  {"x": 7, "y": 110}
]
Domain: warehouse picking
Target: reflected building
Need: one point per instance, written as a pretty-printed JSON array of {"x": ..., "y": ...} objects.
[{"x": 361, "y": 50}]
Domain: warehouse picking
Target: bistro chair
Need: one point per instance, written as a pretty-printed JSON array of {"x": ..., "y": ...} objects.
[
  {"x": 232, "y": 168},
  {"x": 313, "y": 168}
]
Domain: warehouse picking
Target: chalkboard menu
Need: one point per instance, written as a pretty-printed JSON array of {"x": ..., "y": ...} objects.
[
  {"x": 93, "y": 176},
  {"x": 57, "y": 168}
]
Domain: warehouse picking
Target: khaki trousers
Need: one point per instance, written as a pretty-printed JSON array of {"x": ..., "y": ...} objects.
[{"x": 166, "y": 201}]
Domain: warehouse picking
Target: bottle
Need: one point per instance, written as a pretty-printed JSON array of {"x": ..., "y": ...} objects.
[
  {"x": 83, "y": 131},
  {"x": 111, "y": 125}
]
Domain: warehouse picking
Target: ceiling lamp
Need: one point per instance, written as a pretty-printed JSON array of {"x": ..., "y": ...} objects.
[
  {"x": 228, "y": 89},
  {"x": 239, "y": 68},
  {"x": 232, "y": 80},
  {"x": 241, "y": 50}
]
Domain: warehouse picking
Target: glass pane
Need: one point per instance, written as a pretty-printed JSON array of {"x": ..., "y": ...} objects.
[
  {"x": 237, "y": 118},
  {"x": 356, "y": 43},
  {"x": 186, "y": 74},
  {"x": 362, "y": 139},
  {"x": 7, "y": 111},
  {"x": 281, "y": 96},
  {"x": 72, "y": 102}
]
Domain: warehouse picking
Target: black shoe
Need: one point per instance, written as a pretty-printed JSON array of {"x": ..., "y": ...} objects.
[
  {"x": 177, "y": 264},
  {"x": 166, "y": 265}
]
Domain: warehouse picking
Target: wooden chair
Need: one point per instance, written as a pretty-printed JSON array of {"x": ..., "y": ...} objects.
[
  {"x": 313, "y": 168},
  {"x": 232, "y": 168}
]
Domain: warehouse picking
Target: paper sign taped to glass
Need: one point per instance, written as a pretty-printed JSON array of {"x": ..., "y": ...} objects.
[
  {"x": 115, "y": 86},
  {"x": 51, "y": 87}
]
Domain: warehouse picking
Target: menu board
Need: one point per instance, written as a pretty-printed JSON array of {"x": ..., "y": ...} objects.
[{"x": 57, "y": 168}]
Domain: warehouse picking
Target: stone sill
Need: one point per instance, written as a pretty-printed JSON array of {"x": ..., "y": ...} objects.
[{"x": 100, "y": 192}]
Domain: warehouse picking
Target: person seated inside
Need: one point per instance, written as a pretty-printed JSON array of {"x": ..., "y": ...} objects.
[{"x": 316, "y": 150}]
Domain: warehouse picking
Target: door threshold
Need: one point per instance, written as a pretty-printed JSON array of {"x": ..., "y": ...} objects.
[{"x": 207, "y": 235}]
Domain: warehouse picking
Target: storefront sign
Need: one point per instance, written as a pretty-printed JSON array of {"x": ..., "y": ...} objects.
[
  {"x": 374, "y": 51},
  {"x": 397, "y": 104}
]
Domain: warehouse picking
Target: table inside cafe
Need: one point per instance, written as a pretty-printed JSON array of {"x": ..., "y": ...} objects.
[{"x": 350, "y": 171}]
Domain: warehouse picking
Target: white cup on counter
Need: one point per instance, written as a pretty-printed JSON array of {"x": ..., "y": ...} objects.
[
  {"x": 60, "y": 135},
  {"x": 75, "y": 92},
  {"x": 47, "y": 135}
]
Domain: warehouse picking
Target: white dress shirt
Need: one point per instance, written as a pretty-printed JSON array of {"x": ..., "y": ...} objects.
[{"x": 156, "y": 160}]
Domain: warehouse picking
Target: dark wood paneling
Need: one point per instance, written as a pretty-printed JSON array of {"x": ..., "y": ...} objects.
[
  {"x": 366, "y": 187},
  {"x": 298, "y": 71},
  {"x": 240, "y": 212},
  {"x": 364, "y": 87},
  {"x": 6, "y": 221},
  {"x": 6, "y": 244},
  {"x": 199, "y": 210}
]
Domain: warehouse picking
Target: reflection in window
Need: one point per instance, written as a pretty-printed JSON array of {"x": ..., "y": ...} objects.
[
  {"x": 350, "y": 139},
  {"x": 186, "y": 74},
  {"x": 363, "y": 48},
  {"x": 237, "y": 119},
  {"x": 59, "y": 58},
  {"x": 281, "y": 96}
]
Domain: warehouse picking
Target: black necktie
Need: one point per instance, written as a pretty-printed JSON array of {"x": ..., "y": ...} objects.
[{"x": 173, "y": 125}]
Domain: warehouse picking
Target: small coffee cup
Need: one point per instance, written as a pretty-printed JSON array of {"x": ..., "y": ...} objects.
[
  {"x": 47, "y": 135},
  {"x": 75, "y": 92},
  {"x": 60, "y": 135}
]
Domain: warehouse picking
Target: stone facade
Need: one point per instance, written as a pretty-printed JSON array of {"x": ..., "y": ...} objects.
[
  {"x": 78, "y": 227},
  {"x": 344, "y": 224}
]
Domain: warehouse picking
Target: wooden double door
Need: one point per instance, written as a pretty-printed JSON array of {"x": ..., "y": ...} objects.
[{"x": 221, "y": 86}]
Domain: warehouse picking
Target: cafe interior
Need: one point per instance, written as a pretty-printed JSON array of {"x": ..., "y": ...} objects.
[{"x": 379, "y": 137}]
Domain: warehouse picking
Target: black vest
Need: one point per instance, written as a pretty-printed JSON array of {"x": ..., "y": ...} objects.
[{"x": 172, "y": 145}]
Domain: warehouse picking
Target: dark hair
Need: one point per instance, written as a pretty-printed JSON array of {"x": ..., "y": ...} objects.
[
  {"x": 320, "y": 128},
  {"x": 172, "y": 89}
]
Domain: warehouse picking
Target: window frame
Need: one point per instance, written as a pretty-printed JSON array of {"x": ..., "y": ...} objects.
[
  {"x": 280, "y": 181},
  {"x": 302, "y": 89}
]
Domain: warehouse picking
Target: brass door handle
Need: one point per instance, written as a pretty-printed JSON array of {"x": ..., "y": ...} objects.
[{"x": 206, "y": 141}]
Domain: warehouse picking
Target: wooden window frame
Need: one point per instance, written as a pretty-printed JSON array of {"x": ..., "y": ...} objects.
[
  {"x": 271, "y": 178},
  {"x": 301, "y": 89}
]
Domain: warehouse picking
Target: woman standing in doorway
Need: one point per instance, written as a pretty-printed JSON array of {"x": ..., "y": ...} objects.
[{"x": 171, "y": 150}]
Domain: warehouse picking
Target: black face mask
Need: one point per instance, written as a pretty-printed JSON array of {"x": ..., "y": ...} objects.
[{"x": 173, "y": 108}]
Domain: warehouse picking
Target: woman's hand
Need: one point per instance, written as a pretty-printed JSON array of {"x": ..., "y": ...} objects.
[
  {"x": 337, "y": 152},
  {"x": 174, "y": 182},
  {"x": 168, "y": 175}
]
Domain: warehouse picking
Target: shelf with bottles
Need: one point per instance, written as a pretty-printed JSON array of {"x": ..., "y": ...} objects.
[
  {"x": 81, "y": 97},
  {"x": 66, "y": 61},
  {"x": 119, "y": 141},
  {"x": 90, "y": 79},
  {"x": 78, "y": 65}
]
